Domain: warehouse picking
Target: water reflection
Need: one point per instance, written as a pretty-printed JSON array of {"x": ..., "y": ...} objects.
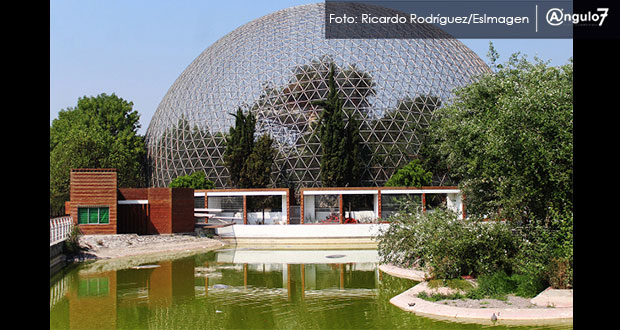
[{"x": 235, "y": 289}]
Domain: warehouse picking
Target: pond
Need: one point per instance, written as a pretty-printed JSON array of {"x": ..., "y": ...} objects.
[{"x": 237, "y": 289}]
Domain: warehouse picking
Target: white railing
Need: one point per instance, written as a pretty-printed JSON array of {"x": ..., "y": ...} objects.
[
  {"x": 59, "y": 290},
  {"x": 60, "y": 229}
]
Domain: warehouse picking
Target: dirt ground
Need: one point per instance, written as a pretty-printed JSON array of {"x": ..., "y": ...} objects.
[
  {"x": 511, "y": 302},
  {"x": 123, "y": 245}
]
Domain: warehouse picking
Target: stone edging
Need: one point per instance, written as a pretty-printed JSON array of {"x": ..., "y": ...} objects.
[{"x": 409, "y": 302}]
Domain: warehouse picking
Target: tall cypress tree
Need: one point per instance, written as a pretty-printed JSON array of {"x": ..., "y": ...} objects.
[
  {"x": 239, "y": 145},
  {"x": 256, "y": 172},
  {"x": 341, "y": 162},
  {"x": 249, "y": 163}
]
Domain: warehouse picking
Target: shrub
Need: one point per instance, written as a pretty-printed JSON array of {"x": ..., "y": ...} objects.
[
  {"x": 546, "y": 249},
  {"x": 447, "y": 246},
  {"x": 411, "y": 175},
  {"x": 500, "y": 284},
  {"x": 496, "y": 285},
  {"x": 72, "y": 243},
  {"x": 528, "y": 286},
  {"x": 196, "y": 180},
  {"x": 508, "y": 139},
  {"x": 559, "y": 273}
]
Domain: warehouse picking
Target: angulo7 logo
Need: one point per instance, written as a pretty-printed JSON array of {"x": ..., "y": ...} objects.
[{"x": 556, "y": 17}]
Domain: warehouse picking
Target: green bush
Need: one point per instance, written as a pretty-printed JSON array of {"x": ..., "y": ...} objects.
[
  {"x": 500, "y": 284},
  {"x": 447, "y": 246},
  {"x": 528, "y": 286},
  {"x": 72, "y": 243},
  {"x": 507, "y": 139},
  {"x": 546, "y": 249},
  {"x": 533, "y": 255},
  {"x": 411, "y": 175},
  {"x": 196, "y": 180},
  {"x": 496, "y": 285}
]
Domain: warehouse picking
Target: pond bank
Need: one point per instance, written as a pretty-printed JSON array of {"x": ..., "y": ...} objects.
[
  {"x": 124, "y": 245},
  {"x": 550, "y": 306}
]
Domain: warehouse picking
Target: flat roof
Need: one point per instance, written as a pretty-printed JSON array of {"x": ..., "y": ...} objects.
[
  {"x": 383, "y": 190},
  {"x": 241, "y": 192}
]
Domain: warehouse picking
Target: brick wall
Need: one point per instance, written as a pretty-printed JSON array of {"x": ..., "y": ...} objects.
[
  {"x": 93, "y": 188},
  {"x": 171, "y": 210},
  {"x": 183, "y": 210},
  {"x": 132, "y": 193},
  {"x": 160, "y": 210}
]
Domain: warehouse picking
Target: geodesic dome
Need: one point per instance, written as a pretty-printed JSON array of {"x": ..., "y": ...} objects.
[{"x": 275, "y": 66}]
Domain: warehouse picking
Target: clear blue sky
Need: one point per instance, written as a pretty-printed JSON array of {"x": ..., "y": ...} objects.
[{"x": 136, "y": 49}]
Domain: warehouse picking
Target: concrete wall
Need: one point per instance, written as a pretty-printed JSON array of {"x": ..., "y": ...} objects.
[
  {"x": 310, "y": 234},
  {"x": 315, "y": 256}
]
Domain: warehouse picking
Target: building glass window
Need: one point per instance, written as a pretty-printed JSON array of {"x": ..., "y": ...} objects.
[
  {"x": 93, "y": 215},
  {"x": 94, "y": 287}
]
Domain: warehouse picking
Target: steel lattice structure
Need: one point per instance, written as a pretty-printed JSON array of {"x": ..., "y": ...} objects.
[{"x": 275, "y": 66}]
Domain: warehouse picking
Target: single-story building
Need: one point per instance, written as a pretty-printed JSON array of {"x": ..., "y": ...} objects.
[{"x": 98, "y": 206}]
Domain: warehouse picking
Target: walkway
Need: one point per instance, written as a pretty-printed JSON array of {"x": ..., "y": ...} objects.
[{"x": 561, "y": 300}]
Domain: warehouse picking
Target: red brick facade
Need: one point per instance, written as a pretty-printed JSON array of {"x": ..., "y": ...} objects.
[
  {"x": 171, "y": 210},
  {"x": 168, "y": 210},
  {"x": 93, "y": 188},
  {"x": 182, "y": 210},
  {"x": 133, "y": 193}
]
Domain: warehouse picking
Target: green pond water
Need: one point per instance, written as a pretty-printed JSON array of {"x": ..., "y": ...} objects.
[{"x": 239, "y": 289}]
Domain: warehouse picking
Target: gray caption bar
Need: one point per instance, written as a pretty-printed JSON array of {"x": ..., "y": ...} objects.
[{"x": 454, "y": 19}]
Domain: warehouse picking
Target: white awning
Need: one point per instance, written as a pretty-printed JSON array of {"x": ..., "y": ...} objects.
[
  {"x": 420, "y": 191},
  {"x": 133, "y": 201},
  {"x": 244, "y": 193}
]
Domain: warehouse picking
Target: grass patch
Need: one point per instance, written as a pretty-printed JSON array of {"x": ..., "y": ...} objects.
[
  {"x": 438, "y": 296},
  {"x": 496, "y": 286},
  {"x": 455, "y": 283}
]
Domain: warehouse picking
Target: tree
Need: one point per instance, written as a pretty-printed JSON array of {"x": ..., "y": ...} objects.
[
  {"x": 196, "y": 180},
  {"x": 256, "y": 172},
  {"x": 249, "y": 163},
  {"x": 508, "y": 139},
  {"x": 411, "y": 175},
  {"x": 239, "y": 145},
  {"x": 401, "y": 130},
  {"x": 493, "y": 56},
  {"x": 100, "y": 132},
  {"x": 341, "y": 159}
]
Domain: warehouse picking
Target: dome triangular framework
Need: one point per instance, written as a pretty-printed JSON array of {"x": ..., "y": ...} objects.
[{"x": 275, "y": 66}]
